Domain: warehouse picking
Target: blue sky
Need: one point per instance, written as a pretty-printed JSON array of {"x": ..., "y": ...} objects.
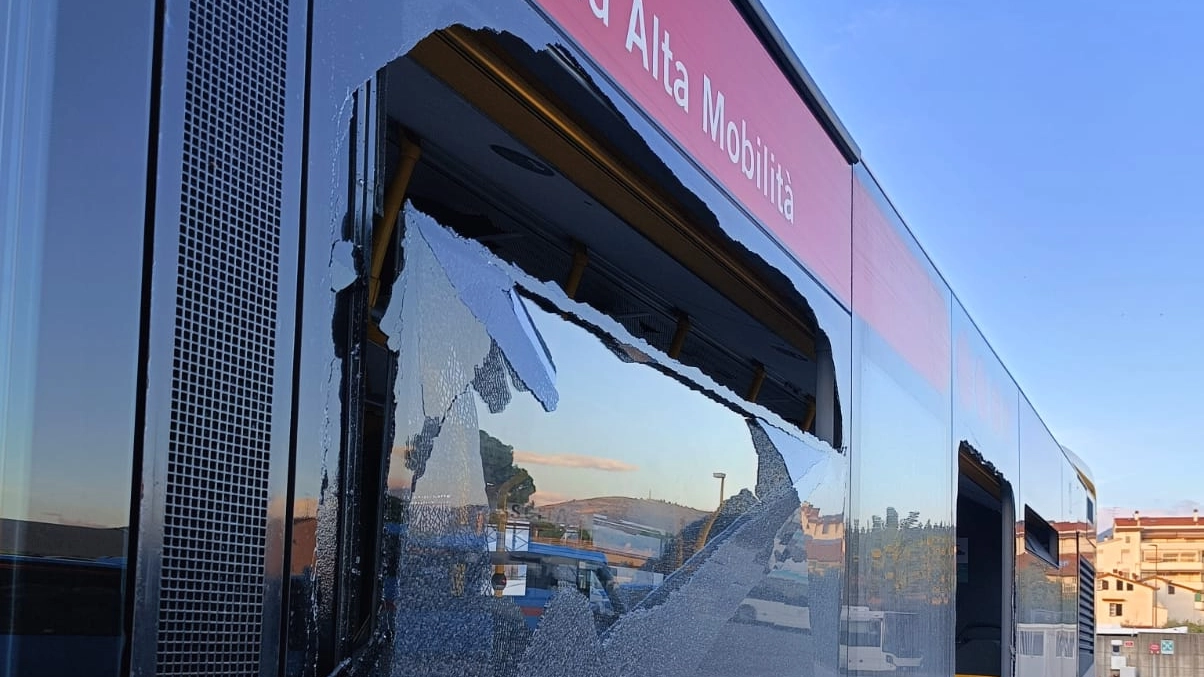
[
  {"x": 1047, "y": 155},
  {"x": 599, "y": 446}
]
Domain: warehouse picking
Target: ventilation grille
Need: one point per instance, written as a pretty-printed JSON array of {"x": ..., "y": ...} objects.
[
  {"x": 212, "y": 587},
  {"x": 1086, "y": 606}
]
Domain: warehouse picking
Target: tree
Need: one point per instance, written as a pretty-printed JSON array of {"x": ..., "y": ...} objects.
[
  {"x": 497, "y": 460},
  {"x": 1039, "y": 598},
  {"x": 910, "y": 565}
]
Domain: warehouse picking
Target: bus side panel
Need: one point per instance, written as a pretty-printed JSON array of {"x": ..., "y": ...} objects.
[
  {"x": 901, "y": 519},
  {"x": 1046, "y": 555},
  {"x": 985, "y": 427},
  {"x": 75, "y": 78}
]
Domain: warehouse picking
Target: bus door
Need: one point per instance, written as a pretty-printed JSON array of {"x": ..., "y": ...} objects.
[{"x": 985, "y": 555}]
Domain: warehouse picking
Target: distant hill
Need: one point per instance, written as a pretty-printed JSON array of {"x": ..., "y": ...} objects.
[
  {"x": 661, "y": 515},
  {"x": 44, "y": 539}
]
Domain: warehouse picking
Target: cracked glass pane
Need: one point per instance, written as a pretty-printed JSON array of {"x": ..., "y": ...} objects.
[
  {"x": 656, "y": 528},
  {"x": 487, "y": 291},
  {"x": 800, "y": 455}
]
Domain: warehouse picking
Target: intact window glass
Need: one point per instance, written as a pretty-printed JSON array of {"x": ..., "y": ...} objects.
[{"x": 72, "y": 216}]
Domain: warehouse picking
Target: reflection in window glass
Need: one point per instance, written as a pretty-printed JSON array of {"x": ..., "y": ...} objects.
[
  {"x": 902, "y": 528},
  {"x": 72, "y": 215},
  {"x": 618, "y": 518},
  {"x": 1032, "y": 643},
  {"x": 901, "y": 437},
  {"x": 864, "y": 633}
]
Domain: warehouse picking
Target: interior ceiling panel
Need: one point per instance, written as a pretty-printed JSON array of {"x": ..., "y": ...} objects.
[{"x": 491, "y": 187}]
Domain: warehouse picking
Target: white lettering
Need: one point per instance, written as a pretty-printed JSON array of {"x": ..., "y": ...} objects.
[
  {"x": 760, "y": 164},
  {"x": 769, "y": 178},
  {"x": 747, "y": 157},
  {"x": 639, "y": 39},
  {"x": 757, "y": 162},
  {"x": 712, "y": 110},
  {"x": 601, "y": 10},
  {"x": 788, "y": 204},
  {"x": 778, "y": 192},
  {"x": 681, "y": 87},
  {"x": 667, "y": 55},
  {"x": 656, "y": 62},
  {"x": 733, "y": 142}
]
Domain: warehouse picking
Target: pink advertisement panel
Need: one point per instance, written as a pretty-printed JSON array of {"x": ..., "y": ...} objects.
[
  {"x": 702, "y": 74},
  {"x": 897, "y": 294}
]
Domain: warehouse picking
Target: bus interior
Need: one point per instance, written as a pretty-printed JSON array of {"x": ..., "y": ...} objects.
[
  {"x": 985, "y": 556},
  {"x": 476, "y": 140}
]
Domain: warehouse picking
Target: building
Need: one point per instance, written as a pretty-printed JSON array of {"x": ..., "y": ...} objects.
[
  {"x": 1155, "y": 563},
  {"x": 1151, "y": 602},
  {"x": 825, "y": 537},
  {"x": 1141, "y": 547},
  {"x": 1180, "y": 603},
  {"x": 1127, "y": 603}
]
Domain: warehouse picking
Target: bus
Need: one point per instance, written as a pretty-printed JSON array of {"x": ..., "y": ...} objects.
[
  {"x": 296, "y": 297},
  {"x": 549, "y": 567},
  {"x": 781, "y": 601},
  {"x": 879, "y": 641},
  {"x": 1046, "y": 648},
  {"x": 64, "y": 612}
]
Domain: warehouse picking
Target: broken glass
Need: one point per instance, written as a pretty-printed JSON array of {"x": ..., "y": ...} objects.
[{"x": 613, "y": 583}]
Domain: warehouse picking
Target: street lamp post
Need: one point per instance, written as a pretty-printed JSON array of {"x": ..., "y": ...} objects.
[
  {"x": 1154, "y": 599},
  {"x": 706, "y": 528}
]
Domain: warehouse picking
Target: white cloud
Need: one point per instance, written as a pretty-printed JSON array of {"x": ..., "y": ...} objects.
[{"x": 574, "y": 461}]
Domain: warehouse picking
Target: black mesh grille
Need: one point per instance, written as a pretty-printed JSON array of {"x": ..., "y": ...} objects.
[
  {"x": 212, "y": 587},
  {"x": 1086, "y": 605}
]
